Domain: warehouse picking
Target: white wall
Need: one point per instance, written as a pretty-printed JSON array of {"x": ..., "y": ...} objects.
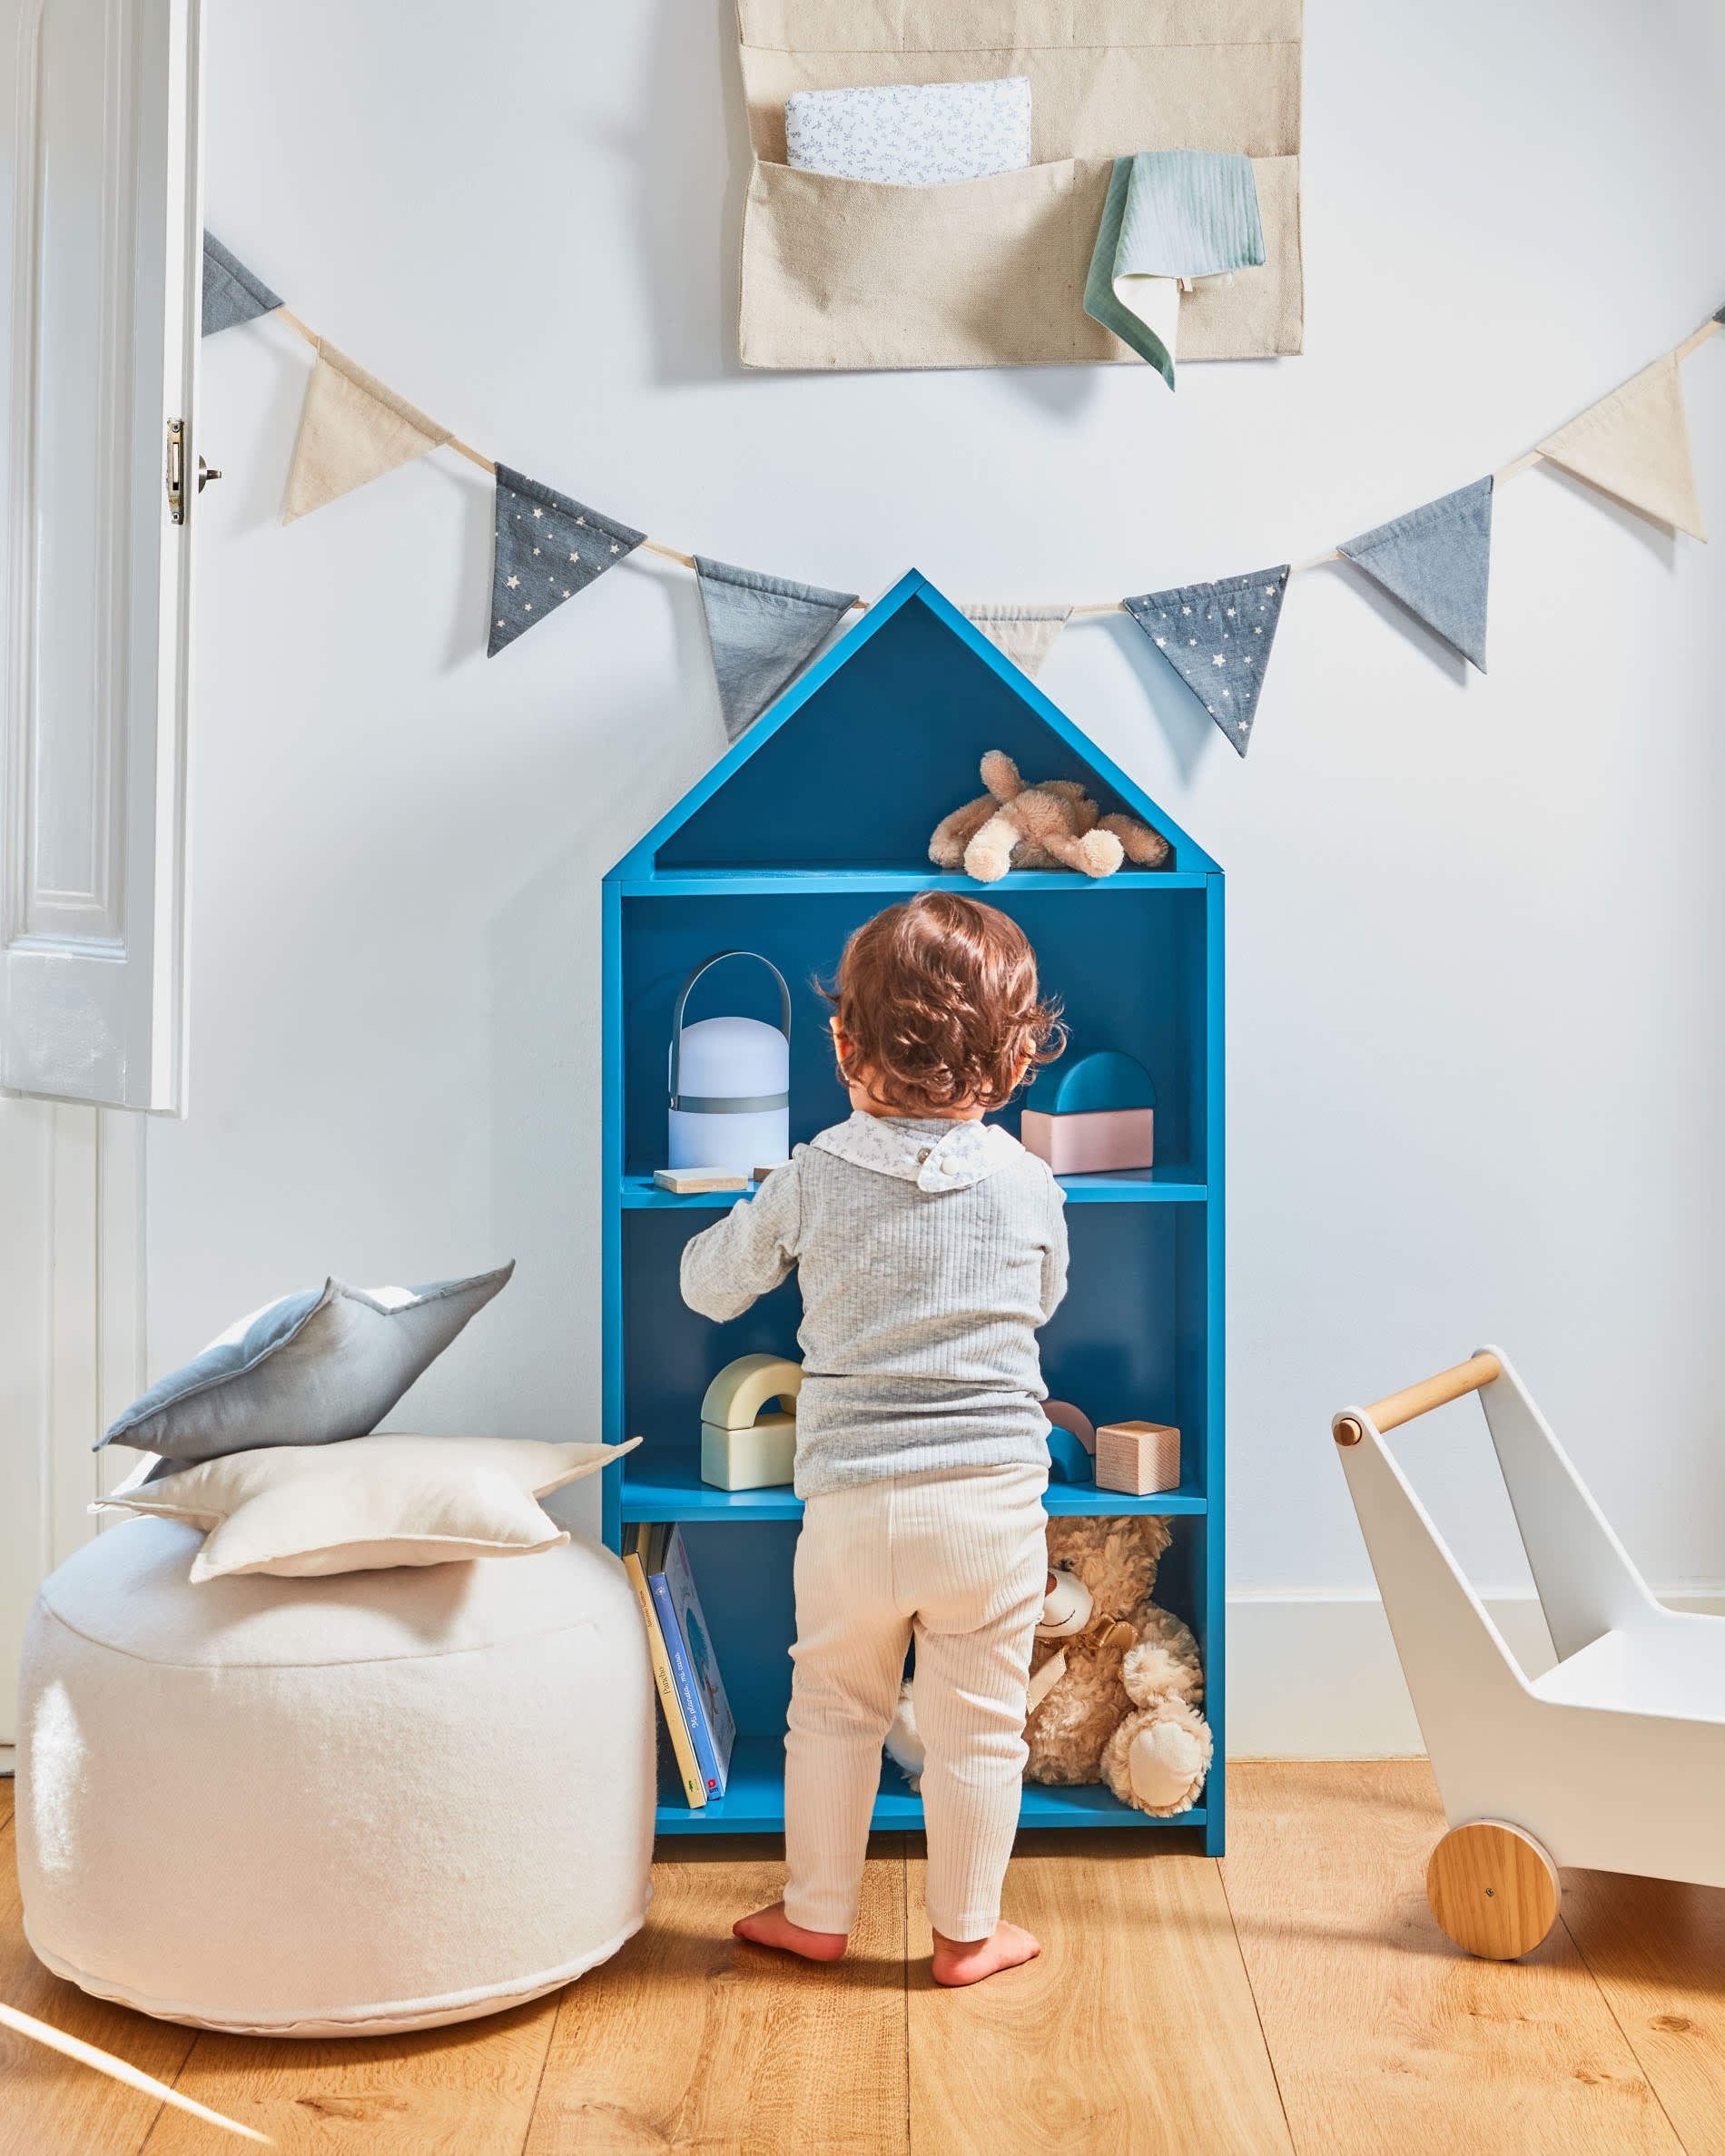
[{"x": 1476, "y": 924}]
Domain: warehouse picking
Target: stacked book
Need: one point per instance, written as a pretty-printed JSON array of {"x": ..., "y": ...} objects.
[{"x": 697, "y": 1716}]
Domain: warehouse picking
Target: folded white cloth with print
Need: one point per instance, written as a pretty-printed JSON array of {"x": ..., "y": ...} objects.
[{"x": 911, "y": 134}]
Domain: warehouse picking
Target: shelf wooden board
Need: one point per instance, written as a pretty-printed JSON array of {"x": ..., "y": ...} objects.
[
  {"x": 664, "y": 1483},
  {"x": 753, "y": 1802},
  {"x": 1178, "y": 1184}
]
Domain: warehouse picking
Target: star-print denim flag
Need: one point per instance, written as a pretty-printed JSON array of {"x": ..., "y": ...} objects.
[
  {"x": 548, "y": 547},
  {"x": 1218, "y": 638},
  {"x": 232, "y": 294},
  {"x": 764, "y": 631},
  {"x": 1437, "y": 561},
  {"x": 1634, "y": 443},
  {"x": 1026, "y": 633}
]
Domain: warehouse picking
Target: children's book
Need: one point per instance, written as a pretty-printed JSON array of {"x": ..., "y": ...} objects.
[
  {"x": 658, "y": 1559},
  {"x": 709, "y": 1686},
  {"x": 664, "y": 1677}
]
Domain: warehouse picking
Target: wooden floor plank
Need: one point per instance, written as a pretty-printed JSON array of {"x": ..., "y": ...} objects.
[
  {"x": 1133, "y": 2034},
  {"x": 1385, "y": 2035},
  {"x": 1657, "y": 1951},
  {"x": 691, "y": 2039},
  {"x": 50, "y": 2105},
  {"x": 465, "y": 2090}
]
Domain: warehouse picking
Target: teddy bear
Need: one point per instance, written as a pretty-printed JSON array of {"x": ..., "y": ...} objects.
[
  {"x": 1114, "y": 1686},
  {"x": 1124, "y": 1707},
  {"x": 1053, "y": 825}
]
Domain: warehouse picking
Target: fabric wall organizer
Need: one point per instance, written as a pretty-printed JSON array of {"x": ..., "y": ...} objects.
[{"x": 991, "y": 273}]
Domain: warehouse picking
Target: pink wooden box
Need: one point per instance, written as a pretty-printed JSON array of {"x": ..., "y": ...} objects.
[
  {"x": 1086, "y": 1145},
  {"x": 1138, "y": 1459}
]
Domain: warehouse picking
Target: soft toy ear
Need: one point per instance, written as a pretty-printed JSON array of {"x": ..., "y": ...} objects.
[{"x": 1000, "y": 775}]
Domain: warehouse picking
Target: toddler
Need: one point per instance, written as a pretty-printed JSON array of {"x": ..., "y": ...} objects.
[{"x": 929, "y": 1247}]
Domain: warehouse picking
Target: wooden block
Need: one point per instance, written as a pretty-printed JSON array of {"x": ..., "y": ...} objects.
[
  {"x": 687, "y": 1182},
  {"x": 1138, "y": 1459},
  {"x": 759, "y": 1175},
  {"x": 1092, "y": 1144}
]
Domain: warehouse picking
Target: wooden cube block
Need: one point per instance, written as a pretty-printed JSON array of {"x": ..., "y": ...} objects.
[
  {"x": 762, "y": 1457},
  {"x": 1138, "y": 1459}
]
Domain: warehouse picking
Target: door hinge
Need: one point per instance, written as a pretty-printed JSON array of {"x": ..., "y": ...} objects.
[{"x": 176, "y": 471}]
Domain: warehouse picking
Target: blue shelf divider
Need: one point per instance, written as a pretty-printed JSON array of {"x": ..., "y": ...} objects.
[{"x": 765, "y": 853}]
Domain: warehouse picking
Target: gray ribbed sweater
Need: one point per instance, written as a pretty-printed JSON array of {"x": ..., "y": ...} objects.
[{"x": 924, "y": 1280}]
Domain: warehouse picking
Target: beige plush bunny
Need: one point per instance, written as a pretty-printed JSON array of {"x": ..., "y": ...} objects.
[{"x": 1054, "y": 825}]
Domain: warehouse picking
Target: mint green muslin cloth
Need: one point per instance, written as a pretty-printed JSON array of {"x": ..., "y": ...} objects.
[{"x": 1169, "y": 214}]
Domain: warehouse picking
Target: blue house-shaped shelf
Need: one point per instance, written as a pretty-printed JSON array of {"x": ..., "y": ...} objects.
[{"x": 816, "y": 819}]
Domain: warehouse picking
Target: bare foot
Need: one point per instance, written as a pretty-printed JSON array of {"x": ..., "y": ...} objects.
[
  {"x": 773, "y": 1927},
  {"x": 969, "y": 1960}
]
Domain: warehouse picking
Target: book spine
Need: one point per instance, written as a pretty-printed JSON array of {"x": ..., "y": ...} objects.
[
  {"x": 687, "y": 1691},
  {"x": 694, "y": 1784}
]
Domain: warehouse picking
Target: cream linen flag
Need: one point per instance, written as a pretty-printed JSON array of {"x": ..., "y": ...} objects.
[
  {"x": 1635, "y": 445},
  {"x": 353, "y": 428},
  {"x": 1025, "y": 634}
]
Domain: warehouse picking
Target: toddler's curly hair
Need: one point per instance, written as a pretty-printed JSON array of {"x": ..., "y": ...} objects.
[{"x": 939, "y": 1001}]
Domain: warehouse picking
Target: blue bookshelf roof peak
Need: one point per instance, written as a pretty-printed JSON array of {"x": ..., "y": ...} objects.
[{"x": 858, "y": 760}]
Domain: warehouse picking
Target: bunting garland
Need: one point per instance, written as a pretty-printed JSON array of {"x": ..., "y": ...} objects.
[
  {"x": 763, "y": 630},
  {"x": 353, "y": 428},
  {"x": 232, "y": 294},
  {"x": 546, "y": 548},
  {"x": 1633, "y": 445},
  {"x": 1218, "y": 638},
  {"x": 1436, "y": 560}
]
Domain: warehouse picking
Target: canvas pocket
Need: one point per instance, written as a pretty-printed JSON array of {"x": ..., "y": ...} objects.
[{"x": 853, "y": 273}]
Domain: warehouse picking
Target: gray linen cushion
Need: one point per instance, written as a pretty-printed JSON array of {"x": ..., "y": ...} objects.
[{"x": 309, "y": 1370}]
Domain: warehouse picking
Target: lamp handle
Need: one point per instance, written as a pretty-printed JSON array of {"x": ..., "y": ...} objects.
[{"x": 683, "y": 997}]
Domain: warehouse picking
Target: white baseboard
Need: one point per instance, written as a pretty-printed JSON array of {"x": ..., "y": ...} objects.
[{"x": 1315, "y": 1676}]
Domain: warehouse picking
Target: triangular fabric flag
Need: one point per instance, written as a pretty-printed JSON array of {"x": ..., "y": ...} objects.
[
  {"x": 1217, "y": 639},
  {"x": 1635, "y": 445},
  {"x": 353, "y": 428},
  {"x": 1025, "y": 634},
  {"x": 232, "y": 294},
  {"x": 548, "y": 548},
  {"x": 1437, "y": 561},
  {"x": 764, "y": 631}
]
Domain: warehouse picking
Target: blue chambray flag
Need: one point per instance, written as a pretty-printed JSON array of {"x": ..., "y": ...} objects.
[
  {"x": 1218, "y": 638},
  {"x": 1437, "y": 561},
  {"x": 764, "y": 631},
  {"x": 548, "y": 548},
  {"x": 232, "y": 293}
]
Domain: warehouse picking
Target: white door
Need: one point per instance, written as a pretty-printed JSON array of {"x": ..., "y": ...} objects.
[{"x": 100, "y": 247}]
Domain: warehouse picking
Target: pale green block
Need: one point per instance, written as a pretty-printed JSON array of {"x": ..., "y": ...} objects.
[{"x": 760, "y": 1457}]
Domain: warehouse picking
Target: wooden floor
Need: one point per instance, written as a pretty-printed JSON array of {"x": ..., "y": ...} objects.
[{"x": 1295, "y": 1998}]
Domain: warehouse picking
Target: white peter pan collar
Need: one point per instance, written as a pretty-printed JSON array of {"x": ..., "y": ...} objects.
[{"x": 936, "y": 1155}]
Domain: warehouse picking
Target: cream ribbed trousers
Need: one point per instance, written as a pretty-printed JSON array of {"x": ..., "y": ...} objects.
[{"x": 957, "y": 1557}]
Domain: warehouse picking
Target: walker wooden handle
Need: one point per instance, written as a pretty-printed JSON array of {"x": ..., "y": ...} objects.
[{"x": 1420, "y": 1399}]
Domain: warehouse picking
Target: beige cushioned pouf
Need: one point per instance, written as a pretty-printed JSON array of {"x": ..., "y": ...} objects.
[{"x": 311, "y": 1808}]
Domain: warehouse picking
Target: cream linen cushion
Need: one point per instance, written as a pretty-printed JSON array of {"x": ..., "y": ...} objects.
[{"x": 302, "y": 1511}]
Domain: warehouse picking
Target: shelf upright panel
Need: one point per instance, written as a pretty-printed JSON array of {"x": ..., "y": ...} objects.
[
  {"x": 611, "y": 1145},
  {"x": 1214, "y": 1579}
]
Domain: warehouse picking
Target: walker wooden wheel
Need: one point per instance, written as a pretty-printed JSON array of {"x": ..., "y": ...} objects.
[{"x": 1492, "y": 1889}]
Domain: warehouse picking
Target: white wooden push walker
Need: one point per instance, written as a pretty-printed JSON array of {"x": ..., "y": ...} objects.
[{"x": 1615, "y": 1759}]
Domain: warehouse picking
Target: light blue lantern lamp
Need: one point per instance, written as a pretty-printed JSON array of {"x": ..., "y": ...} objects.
[{"x": 730, "y": 1082}]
